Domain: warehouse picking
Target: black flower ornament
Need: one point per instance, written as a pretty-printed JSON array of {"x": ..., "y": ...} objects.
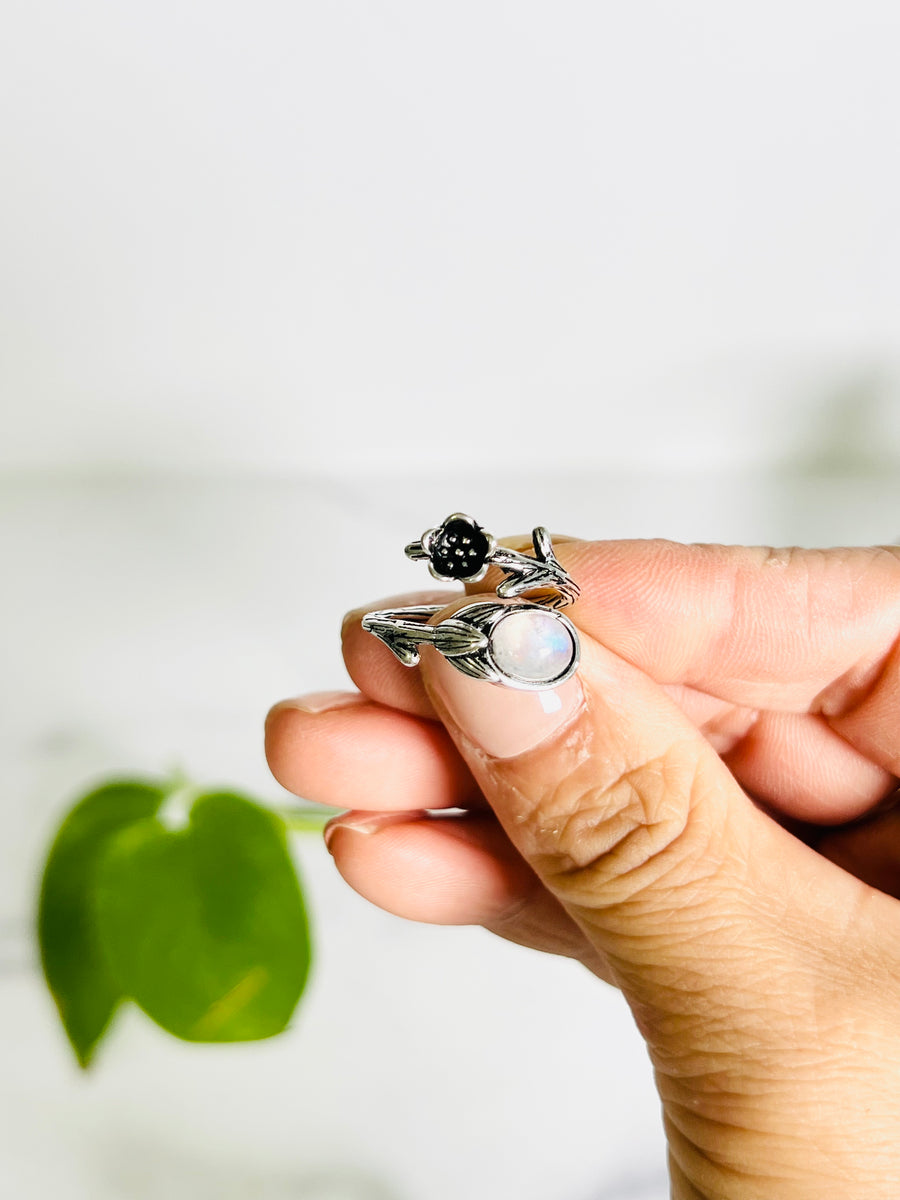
[{"x": 458, "y": 550}]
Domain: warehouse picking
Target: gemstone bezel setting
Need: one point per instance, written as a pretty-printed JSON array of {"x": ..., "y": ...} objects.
[{"x": 488, "y": 617}]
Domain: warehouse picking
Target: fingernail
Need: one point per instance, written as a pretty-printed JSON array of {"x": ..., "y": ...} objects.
[
  {"x": 367, "y": 822},
  {"x": 504, "y": 722},
  {"x": 350, "y": 618},
  {"x": 316, "y": 702}
]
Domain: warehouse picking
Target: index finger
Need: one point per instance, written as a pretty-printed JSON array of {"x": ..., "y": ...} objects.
[
  {"x": 789, "y": 630},
  {"x": 752, "y": 625},
  {"x": 804, "y": 631}
]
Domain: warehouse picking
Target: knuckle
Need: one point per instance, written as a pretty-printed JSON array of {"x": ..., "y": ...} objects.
[{"x": 608, "y": 842}]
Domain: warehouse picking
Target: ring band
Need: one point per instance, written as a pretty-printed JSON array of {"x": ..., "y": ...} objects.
[{"x": 527, "y": 644}]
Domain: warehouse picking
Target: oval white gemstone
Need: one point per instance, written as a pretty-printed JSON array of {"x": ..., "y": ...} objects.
[{"x": 532, "y": 646}]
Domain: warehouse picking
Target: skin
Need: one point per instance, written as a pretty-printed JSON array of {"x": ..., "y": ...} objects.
[{"x": 715, "y": 832}]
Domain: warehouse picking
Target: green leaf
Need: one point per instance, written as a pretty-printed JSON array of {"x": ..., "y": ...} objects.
[
  {"x": 205, "y": 927},
  {"x": 76, "y": 971}
]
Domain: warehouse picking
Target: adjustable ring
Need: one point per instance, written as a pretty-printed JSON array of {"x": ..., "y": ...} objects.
[
  {"x": 525, "y": 646},
  {"x": 460, "y": 551}
]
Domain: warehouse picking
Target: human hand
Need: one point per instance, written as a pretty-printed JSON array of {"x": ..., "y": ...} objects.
[{"x": 706, "y": 820}]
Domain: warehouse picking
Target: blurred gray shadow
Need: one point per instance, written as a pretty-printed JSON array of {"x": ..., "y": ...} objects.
[
  {"x": 141, "y": 1171},
  {"x": 851, "y": 433},
  {"x": 840, "y": 484},
  {"x": 635, "y": 1187}
]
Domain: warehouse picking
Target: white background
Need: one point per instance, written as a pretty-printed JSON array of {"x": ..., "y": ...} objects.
[{"x": 280, "y": 286}]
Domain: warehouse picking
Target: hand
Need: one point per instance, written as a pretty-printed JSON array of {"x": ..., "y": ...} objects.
[{"x": 706, "y": 819}]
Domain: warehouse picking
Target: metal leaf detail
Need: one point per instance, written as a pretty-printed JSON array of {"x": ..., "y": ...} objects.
[
  {"x": 402, "y": 630},
  {"x": 477, "y": 668},
  {"x": 454, "y": 638}
]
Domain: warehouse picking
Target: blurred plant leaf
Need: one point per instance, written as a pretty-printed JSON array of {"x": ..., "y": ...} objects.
[
  {"x": 84, "y": 988},
  {"x": 205, "y": 927}
]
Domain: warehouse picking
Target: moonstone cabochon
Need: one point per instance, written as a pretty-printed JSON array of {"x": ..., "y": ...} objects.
[{"x": 534, "y": 646}]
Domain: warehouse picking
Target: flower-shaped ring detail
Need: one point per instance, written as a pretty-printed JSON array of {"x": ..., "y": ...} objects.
[{"x": 459, "y": 550}]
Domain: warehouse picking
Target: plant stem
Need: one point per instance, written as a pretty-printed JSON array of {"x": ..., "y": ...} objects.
[
  {"x": 181, "y": 792},
  {"x": 310, "y": 819}
]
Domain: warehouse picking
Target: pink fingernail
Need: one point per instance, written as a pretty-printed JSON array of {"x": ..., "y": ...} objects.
[
  {"x": 317, "y": 702},
  {"x": 504, "y": 722},
  {"x": 368, "y": 822}
]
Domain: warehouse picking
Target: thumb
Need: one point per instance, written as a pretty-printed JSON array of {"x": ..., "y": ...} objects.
[{"x": 712, "y": 916}]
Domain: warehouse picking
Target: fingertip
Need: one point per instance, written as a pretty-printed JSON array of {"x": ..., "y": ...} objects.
[
  {"x": 361, "y": 754},
  {"x": 457, "y": 870},
  {"x": 374, "y": 670}
]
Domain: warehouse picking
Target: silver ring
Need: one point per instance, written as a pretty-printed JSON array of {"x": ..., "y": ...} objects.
[
  {"x": 459, "y": 550},
  {"x": 527, "y": 646}
]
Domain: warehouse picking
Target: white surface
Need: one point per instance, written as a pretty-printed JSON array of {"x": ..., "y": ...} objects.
[
  {"x": 148, "y": 623},
  {"x": 293, "y": 235}
]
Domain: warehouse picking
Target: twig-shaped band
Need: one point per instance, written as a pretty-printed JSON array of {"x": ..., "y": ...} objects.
[
  {"x": 521, "y": 645},
  {"x": 460, "y": 551},
  {"x": 403, "y": 630}
]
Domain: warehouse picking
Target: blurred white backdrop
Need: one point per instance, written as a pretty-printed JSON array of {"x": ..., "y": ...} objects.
[
  {"x": 290, "y": 279},
  {"x": 287, "y": 235}
]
